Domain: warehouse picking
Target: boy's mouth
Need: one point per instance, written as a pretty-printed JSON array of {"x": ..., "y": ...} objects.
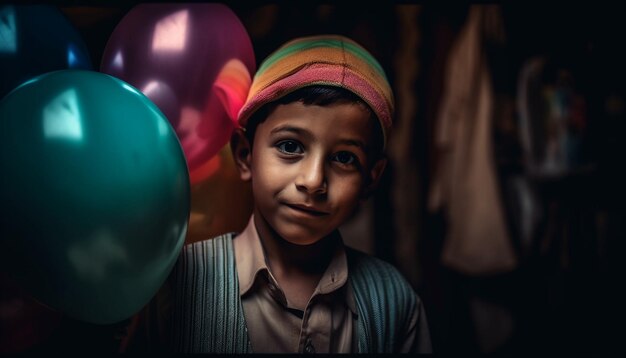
[{"x": 307, "y": 209}]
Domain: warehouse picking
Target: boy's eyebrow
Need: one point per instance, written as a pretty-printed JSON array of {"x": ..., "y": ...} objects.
[
  {"x": 289, "y": 128},
  {"x": 353, "y": 142}
]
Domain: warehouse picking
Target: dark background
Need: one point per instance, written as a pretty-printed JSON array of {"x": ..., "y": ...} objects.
[{"x": 564, "y": 295}]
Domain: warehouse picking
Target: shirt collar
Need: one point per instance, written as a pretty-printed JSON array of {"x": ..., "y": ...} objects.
[
  {"x": 249, "y": 256},
  {"x": 250, "y": 260}
]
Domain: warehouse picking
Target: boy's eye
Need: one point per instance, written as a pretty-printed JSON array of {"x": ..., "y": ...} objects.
[
  {"x": 345, "y": 158},
  {"x": 290, "y": 147}
]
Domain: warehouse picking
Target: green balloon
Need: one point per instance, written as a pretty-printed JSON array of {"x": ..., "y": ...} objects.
[{"x": 95, "y": 194}]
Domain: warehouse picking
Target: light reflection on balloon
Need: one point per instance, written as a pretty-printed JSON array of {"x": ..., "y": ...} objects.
[
  {"x": 94, "y": 258},
  {"x": 62, "y": 118},
  {"x": 8, "y": 31},
  {"x": 170, "y": 33},
  {"x": 118, "y": 61},
  {"x": 161, "y": 93}
]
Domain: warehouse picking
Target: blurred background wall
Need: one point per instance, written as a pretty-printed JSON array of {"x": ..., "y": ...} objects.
[{"x": 503, "y": 202}]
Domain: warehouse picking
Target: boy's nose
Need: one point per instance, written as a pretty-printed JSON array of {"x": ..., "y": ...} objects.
[{"x": 312, "y": 178}]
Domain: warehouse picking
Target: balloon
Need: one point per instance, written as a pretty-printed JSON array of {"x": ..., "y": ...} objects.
[
  {"x": 35, "y": 39},
  {"x": 220, "y": 203},
  {"x": 94, "y": 193},
  {"x": 194, "y": 61}
]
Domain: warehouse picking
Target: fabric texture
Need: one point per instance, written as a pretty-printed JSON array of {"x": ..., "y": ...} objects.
[
  {"x": 207, "y": 315},
  {"x": 465, "y": 184},
  {"x": 321, "y": 60},
  {"x": 206, "y": 300},
  {"x": 274, "y": 324}
]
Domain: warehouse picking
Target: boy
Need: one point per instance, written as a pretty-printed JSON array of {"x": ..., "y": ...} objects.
[{"x": 312, "y": 136}]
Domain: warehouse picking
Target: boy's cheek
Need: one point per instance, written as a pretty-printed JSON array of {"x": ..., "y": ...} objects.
[{"x": 350, "y": 193}]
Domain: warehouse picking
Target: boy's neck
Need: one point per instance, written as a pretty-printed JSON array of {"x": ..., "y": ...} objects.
[
  {"x": 297, "y": 268},
  {"x": 298, "y": 259}
]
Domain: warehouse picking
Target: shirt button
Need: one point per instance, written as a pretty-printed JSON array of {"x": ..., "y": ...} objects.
[{"x": 308, "y": 348}]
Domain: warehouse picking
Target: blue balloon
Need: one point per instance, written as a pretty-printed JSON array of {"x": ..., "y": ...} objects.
[
  {"x": 94, "y": 192},
  {"x": 35, "y": 39}
]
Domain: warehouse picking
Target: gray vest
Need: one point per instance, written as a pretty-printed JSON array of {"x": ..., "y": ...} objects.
[{"x": 208, "y": 315}]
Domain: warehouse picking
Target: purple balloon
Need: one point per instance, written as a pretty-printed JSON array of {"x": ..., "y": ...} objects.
[{"x": 194, "y": 61}]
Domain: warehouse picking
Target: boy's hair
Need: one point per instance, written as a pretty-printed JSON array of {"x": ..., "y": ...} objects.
[
  {"x": 321, "y": 96},
  {"x": 319, "y": 62}
]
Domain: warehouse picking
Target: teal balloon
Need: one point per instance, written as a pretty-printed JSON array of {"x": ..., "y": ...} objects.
[{"x": 95, "y": 194}]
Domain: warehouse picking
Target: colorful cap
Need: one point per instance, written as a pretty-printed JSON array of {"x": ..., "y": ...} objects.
[{"x": 332, "y": 60}]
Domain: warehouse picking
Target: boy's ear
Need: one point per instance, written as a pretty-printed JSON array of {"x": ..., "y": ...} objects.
[
  {"x": 242, "y": 153},
  {"x": 375, "y": 173}
]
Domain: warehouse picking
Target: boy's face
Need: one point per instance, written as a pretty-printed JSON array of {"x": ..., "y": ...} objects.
[{"x": 310, "y": 169}]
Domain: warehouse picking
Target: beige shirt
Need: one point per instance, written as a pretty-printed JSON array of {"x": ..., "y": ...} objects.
[
  {"x": 328, "y": 322},
  {"x": 327, "y": 325},
  {"x": 274, "y": 326}
]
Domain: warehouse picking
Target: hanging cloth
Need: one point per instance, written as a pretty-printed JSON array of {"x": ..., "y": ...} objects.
[{"x": 465, "y": 184}]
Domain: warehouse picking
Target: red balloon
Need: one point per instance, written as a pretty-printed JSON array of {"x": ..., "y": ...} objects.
[
  {"x": 195, "y": 62},
  {"x": 220, "y": 203}
]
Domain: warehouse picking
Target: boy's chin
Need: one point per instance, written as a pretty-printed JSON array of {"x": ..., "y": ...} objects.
[
  {"x": 300, "y": 236},
  {"x": 301, "y": 241}
]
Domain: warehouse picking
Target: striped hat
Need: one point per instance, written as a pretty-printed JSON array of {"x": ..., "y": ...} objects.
[{"x": 321, "y": 60}]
